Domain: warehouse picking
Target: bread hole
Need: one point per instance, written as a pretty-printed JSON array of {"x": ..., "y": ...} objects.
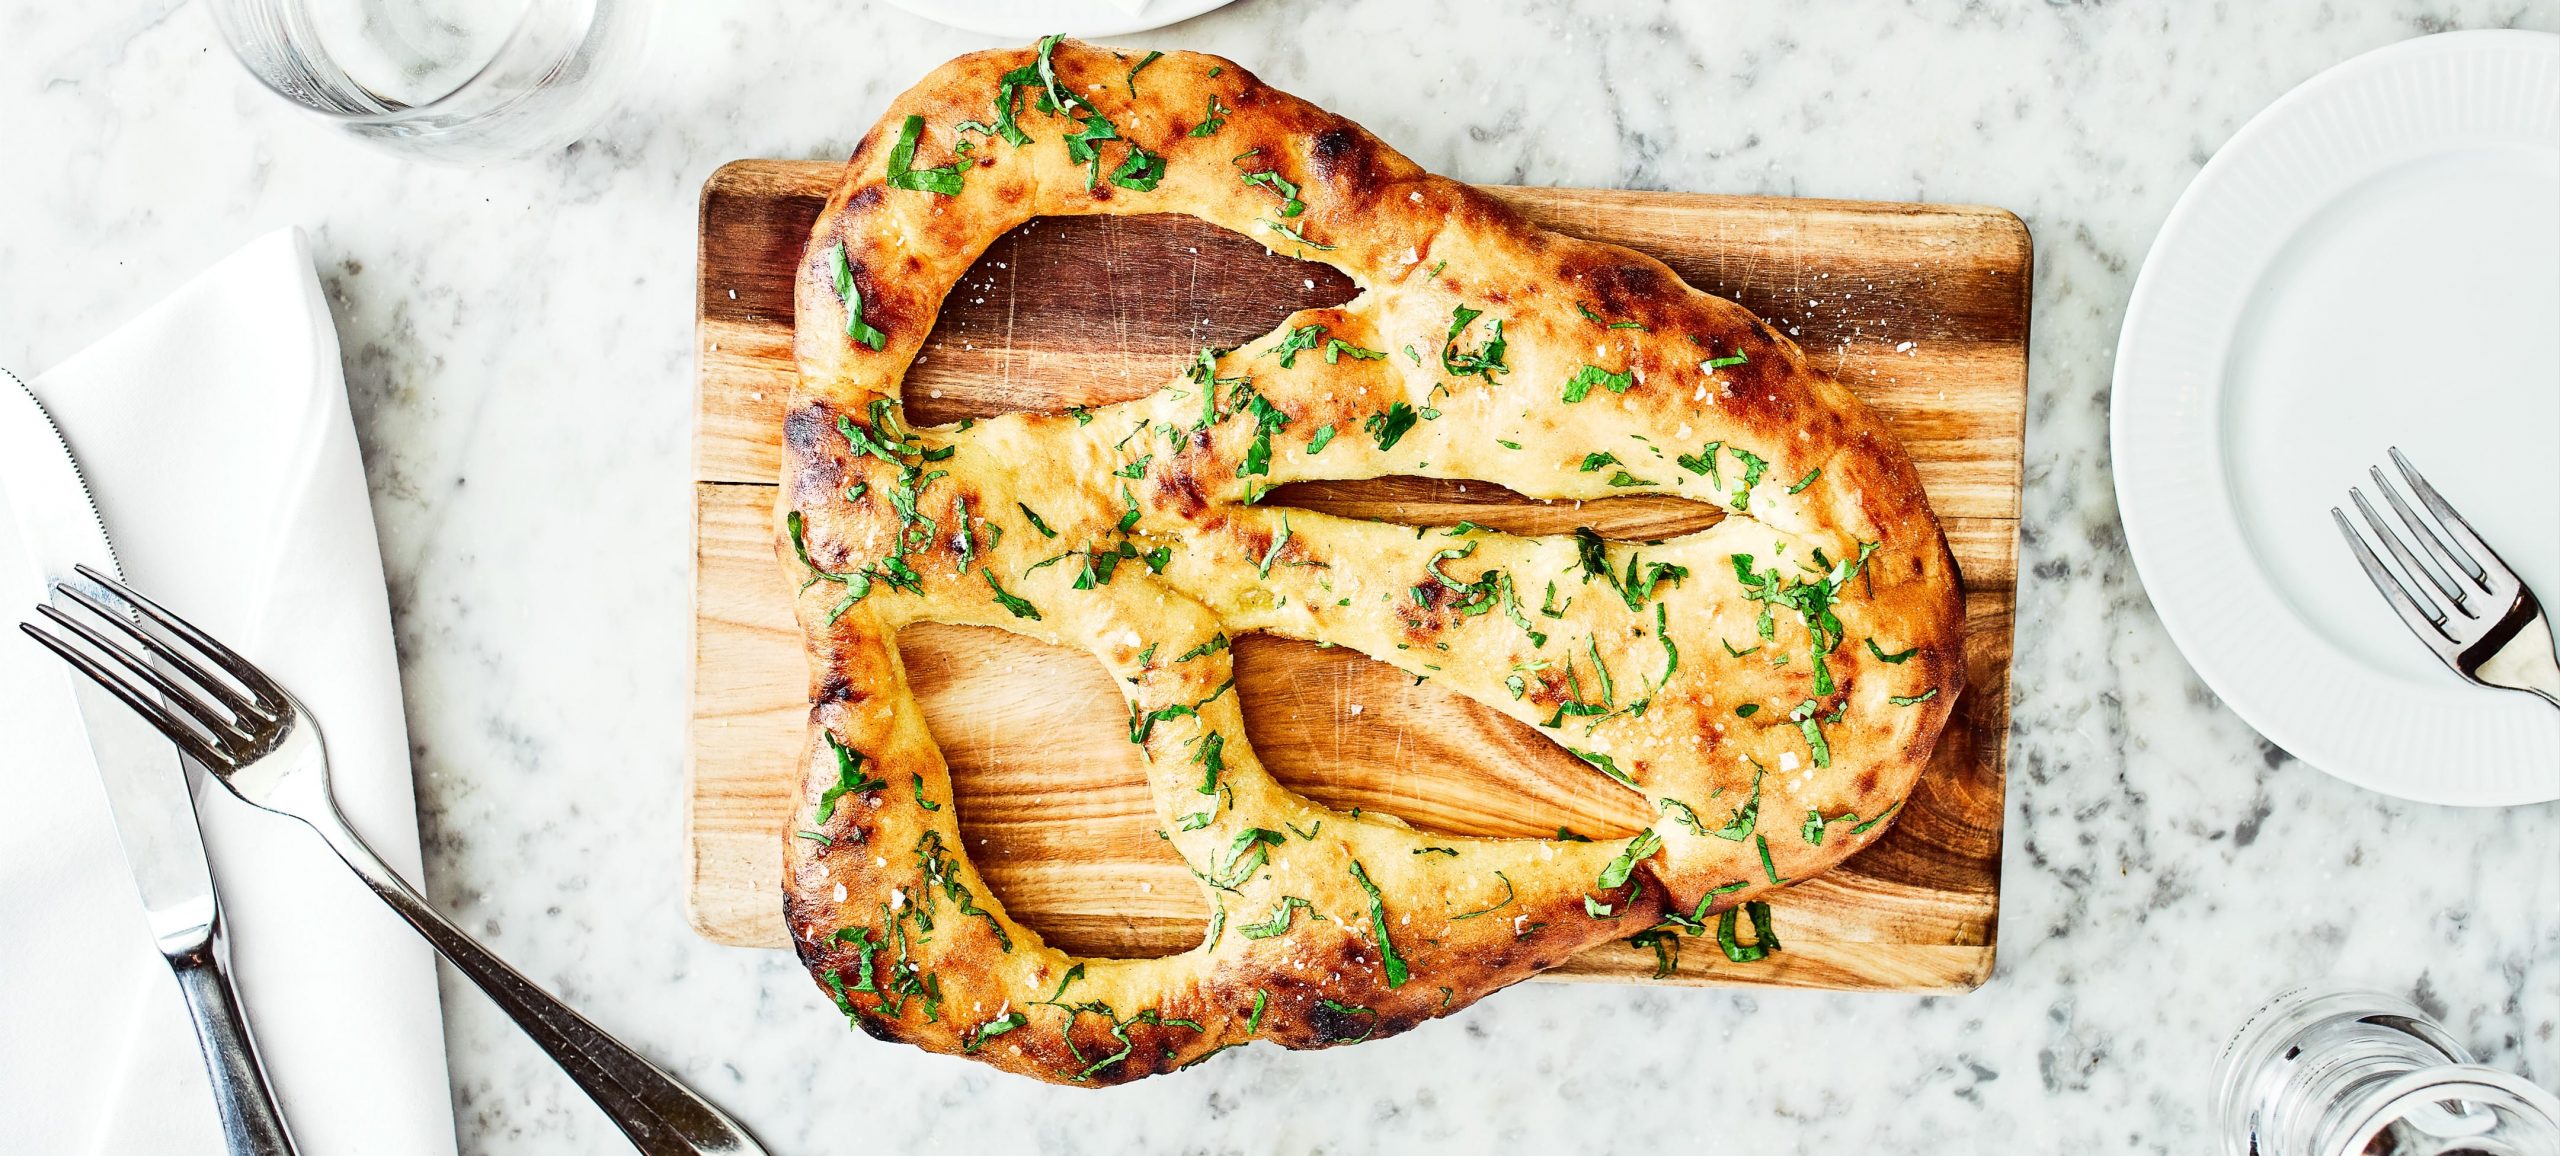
[
  {"x": 1412, "y": 501},
  {"x": 1349, "y": 731},
  {"x": 1051, "y": 795},
  {"x": 1020, "y": 331}
]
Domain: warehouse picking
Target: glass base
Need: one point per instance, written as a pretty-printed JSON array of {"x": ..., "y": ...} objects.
[{"x": 2322, "y": 1071}]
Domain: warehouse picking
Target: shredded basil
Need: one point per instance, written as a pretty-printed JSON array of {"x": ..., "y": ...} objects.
[
  {"x": 1591, "y": 375},
  {"x": 851, "y": 294},
  {"x": 1396, "y": 971},
  {"x": 944, "y": 181}
]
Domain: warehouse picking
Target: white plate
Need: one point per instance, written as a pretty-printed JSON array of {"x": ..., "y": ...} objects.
[
  {"x": 1029, "y": 20},
  {"x": 2372, "y": 261}
]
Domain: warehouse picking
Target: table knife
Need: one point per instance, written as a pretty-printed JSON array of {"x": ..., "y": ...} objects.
[{"x": 146, "y": 787}]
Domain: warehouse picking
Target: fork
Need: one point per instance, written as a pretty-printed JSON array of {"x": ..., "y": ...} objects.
[
  {"x": 264, "y": 746},
  {"x": 2495, "y": 633}
]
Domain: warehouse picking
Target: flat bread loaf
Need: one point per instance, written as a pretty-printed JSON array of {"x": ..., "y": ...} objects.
[{"x": 1771, "y": 685}]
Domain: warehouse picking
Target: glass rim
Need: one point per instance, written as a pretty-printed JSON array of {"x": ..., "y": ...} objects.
[
  {"x": 2474, "y": 1084},
  {"x": 394, "y": 113}
]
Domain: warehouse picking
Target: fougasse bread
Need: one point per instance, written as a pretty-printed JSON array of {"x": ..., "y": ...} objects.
[{"x": 1772, "y": 685}]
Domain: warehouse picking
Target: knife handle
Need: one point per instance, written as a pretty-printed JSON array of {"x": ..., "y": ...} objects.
[{"x": 251, "y": 1123}]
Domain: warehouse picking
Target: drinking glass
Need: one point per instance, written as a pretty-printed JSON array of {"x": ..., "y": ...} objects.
[
  {"x": 451, "y": 81},
  {"x": 2336, "y": 1071}
]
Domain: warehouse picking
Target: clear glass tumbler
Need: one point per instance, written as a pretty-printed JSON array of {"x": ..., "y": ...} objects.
[
  {"x": 452, "y": 81},
  {"x": 2333, "y": 1071}
]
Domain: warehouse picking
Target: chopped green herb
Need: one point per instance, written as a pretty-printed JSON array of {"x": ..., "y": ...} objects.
[
  {"x": 1812, "y": 727},
  {"x": 1213, "y": 119},
  {"x": 1745, "y": 818},
  {"x": 1140, "y": 171},
  {"x": 1862, "y": 828},
  {"x": 921, "y": 801},
  {"x": 1766, "y": 939},
  {"x": 1278, "y": 923},
  {"x": 1662, "y": 634},
  {"x": 1804, "y": 481},
  {"x": 1020, "y": 607},
  {"x": 1036, "y": 523},
  {"x": 1281, "y": 187},
  {"x": 1486, "y": 359},
  {"x": 1246, "y": 856},
  {"x": 1591, "y": 375},
  {"x": 1767, "y": 864},
  {"x": 1713, "y": 364},
  {"x": 1703, "y": 463},
  {"x": 1323, "y": 437},
  {"x": 1291, "y": 234},
  {"x": 1507, "y": 895},
  {"x": 1340, "y": 1008},
  {"x": 1591, "y": 463},
  {"x": 1301, "y": 338},
  {"x": 1253, "y": 1023},
  {"x": 1752, "y": 467},
  {"x": 849, "y": 777},
  {"x": 1608, "y": 766},
  {"x": 1748, "y": 709},
  {"x": 1391, "y": 426},
  {"x": 1638, "y": 849},
  {"x": 1896, "y": 659},
  {"x": 1335, "y": 349},
  {"x": 1666, "y": 949},
  {"x": 1912, "y": 700},
  {"x": 1273, "y": 554},
  {"x": 1210, "y": 756},
  {"x": 1151, "y": 58},
  {"x": 842, "y": 273},
  {"x": 1396, "y": 971},
  {"x": 944, "y": 181}
]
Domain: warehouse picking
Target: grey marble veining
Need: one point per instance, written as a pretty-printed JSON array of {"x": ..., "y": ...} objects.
[{"x": 518, "y": 343}]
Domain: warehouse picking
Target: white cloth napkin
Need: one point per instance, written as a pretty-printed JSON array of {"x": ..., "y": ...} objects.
[{"x": 214, "y": 433}]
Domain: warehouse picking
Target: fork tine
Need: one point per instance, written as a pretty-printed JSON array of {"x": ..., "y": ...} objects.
[
  {"x": 2428, "y": 629},
  {"x": 240, "y": 708},
  {"x": 219, "y": 727},
  {"x": 2475, "y": 556},
  {"x": 2436, "y": 563},
  {"x": 152, "y": 712},
  {"x": 270, "y": 697},
  {"x": 2391, "y": 542}
]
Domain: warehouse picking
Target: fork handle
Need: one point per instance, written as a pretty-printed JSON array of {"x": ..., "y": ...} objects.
[
  {"x": 660, "y": 1116},
  {"x": 252, "y": 1125}
]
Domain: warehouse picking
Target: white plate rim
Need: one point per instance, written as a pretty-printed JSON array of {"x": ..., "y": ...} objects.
[
  {"x": 2476, "y": 747},
  {"x": 1082, "y": 19}
]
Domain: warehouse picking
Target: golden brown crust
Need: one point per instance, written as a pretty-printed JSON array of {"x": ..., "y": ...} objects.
[{"x": 1814, "y": 638}]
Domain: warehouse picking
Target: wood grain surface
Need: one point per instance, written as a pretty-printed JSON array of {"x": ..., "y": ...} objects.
[{"x": 1920, "y": 309}]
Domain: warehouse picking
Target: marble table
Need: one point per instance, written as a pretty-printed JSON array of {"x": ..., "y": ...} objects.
[{"x": 519, "y": 348}]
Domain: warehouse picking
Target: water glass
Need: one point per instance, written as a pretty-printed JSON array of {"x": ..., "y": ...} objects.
[
  {"x": 451, "y": 81},
  {"x": 2334, "y": 1071}
]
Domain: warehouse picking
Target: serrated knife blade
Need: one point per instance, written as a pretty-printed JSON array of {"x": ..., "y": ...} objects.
[{"x": 146, "y": 788}]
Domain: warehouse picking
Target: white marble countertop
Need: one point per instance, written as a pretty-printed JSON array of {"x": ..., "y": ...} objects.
[{"x": 519, "y": 347}]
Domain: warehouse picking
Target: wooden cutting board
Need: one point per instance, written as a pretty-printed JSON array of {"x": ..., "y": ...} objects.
[{"x": 1920, "y": 309}]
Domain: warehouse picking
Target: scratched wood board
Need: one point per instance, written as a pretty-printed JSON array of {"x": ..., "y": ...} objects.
[{"x": 1921, "y": 310}]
